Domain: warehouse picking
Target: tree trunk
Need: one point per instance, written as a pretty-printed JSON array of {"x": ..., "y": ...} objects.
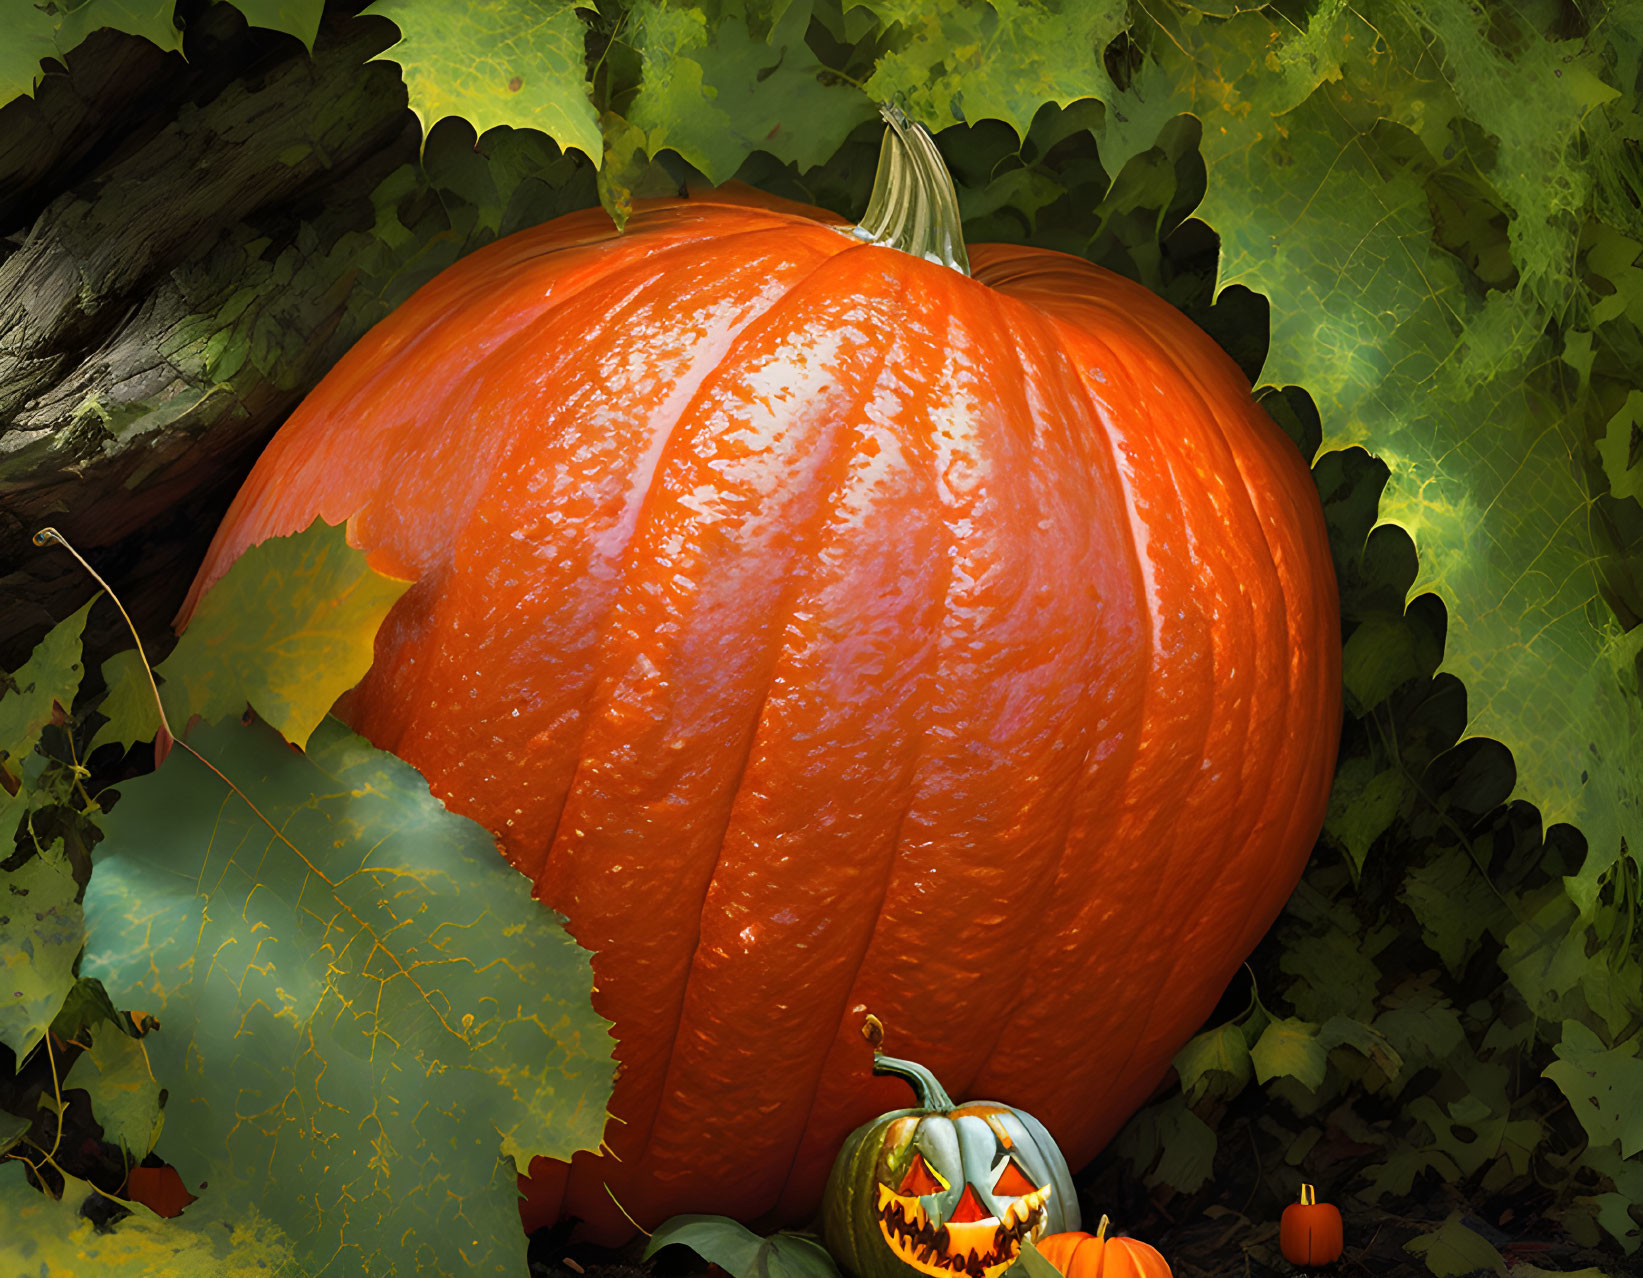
[{"x": 188, "y": 248}]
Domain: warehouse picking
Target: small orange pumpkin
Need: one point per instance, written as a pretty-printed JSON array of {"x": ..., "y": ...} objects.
[
  {"x": 1310, "y": 1231},
  {"x": 1080, "y": 1255}
]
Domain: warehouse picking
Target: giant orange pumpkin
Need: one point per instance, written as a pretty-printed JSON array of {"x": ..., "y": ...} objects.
[{"x": 822, "y": 627}]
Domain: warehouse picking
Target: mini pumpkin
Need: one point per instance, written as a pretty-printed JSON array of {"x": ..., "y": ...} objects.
[
  {"x": 1080, "y": 1255},
  {"x": 944, "y": 1188},
  {"x": 1310, "y": 1231}
]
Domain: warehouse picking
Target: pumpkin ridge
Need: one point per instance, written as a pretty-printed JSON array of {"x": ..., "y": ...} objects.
[
  {"x": 1112, "y": 353},
  {"x": 1002, "y": 528},
  {"x": 625, "y": 564},
  {"x": 1271, "y": 542},
  {"x": 829, "y": 490},
  {"x": 820, "y": 1130},
  {"x": 1249, "y": 621},
  {"x": 1097, "y": 342},
  {"x": 810, "y": 305},
  {"x": 1106, "y": 486}
]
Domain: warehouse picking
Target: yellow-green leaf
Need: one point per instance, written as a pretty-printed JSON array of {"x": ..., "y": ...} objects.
[
  {"x": 216, "y": 1237},
  {"x": 42, "y": 928},
  {"x": 124, "y": 1094},
  {"x": 1290, "y": 1048},
  {"x": 496, "y": 62},
  {"x": 1217, "y": 1051},
  {"x": 51, "y": 674},
  {"x": 288, "y": 629}
]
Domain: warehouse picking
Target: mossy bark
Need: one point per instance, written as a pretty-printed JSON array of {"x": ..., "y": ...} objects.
[{"x": 185, "y": 249}]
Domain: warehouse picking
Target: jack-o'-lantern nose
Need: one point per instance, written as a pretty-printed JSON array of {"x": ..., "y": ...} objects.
[{"x": 969, "y": 1208}]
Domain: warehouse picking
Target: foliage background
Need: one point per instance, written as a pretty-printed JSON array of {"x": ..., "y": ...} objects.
[{"x": 1416, "y": 223}]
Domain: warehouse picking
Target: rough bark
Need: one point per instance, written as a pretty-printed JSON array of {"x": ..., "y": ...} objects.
[{"x": 190, "y": 246}]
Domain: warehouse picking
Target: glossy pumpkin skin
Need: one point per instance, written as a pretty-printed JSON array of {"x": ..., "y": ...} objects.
[
  {"x": 945, "y": 1190},
  {"x": 819, "y": 629},
  {"x": 1080, "y": 1255},
  {"x": 1309, "y": 1232}
]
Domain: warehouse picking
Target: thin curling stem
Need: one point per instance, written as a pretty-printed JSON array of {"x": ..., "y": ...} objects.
[{"x": 50, "y": 537}]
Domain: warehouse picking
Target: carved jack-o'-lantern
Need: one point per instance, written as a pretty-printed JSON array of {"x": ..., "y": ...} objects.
[{"x": 945, "y": 1189}]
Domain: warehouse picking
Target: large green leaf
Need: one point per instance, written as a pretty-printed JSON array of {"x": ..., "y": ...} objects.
[
  {"x": 1604, "y": 1086},
  {"x": 496, "y": 62},
  {"x": 360, "y": 1015},
  {"x": 1453, "y": 1250},
  {"x": 151, "y": 19},
  {"x": 299, "y": 18},
  {"x": 1321, "y": 142}
]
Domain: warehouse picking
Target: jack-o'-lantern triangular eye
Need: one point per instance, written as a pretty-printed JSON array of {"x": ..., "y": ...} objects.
[
  {"x": 919, "y": 1179},
  {"x": 1013, "y": 1182}
]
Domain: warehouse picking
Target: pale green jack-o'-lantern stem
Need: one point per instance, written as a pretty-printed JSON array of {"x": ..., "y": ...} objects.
[{"x": 931, "y": 1094}]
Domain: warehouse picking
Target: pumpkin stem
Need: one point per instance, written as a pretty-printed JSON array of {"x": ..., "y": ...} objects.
[
  {"x": 1101, "y": 1229},
  {"x": 1308, "y": 1195},
  {"x": 914, "y": 207},
  {"x": 931, "y": 1094}
]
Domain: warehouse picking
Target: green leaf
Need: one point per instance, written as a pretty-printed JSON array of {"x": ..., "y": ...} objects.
[
  {"x": 1452, "y": 1250},
  {"x": 1545, "y": 956},
  {"x": 299, "y": 18},
  {"x": 50, "y": 1236},
  {"x": 1337, "y": 973},
  {"x": 129, "y": 704},
  {"x": 496, "y": 62},
  {"x": 1290, "y": 1048},
  {"x": 42, "y": 929},
  {"x": 742, "y": 1253},
  {"x": 1421, "y": 1025},
  {"x": 30, "y": 38},
  {"x": 1621, "y": 449},
  {"x": 12, "y": 1130},
  {"x": 150, "y": 19},
  {"x": 1317, "y": 182},
  {"x": 124, "y": 1095},
  {"x": 1362, "y": 804},
  {"x": 1454, "y": 905},
  {"x": 87, "y": 1005},
  {"x": 1032, "y": 1263},
  {"x": 954, "y": 63},
  {"x": 289, "y": 628},
  {"x": 1219, "y": 1051},
  {"x": 1377, "y": 658},
  {"x": 1613, "y": 1209},
  {"x": 1604, "y": 1086},
  {"x": 51, "y": 674},
  {"x": 359, "y": 1015},
  {"x": 715, "y": 92},
  {"x": 1344, "y": 1031},
  {"x": 1188, "y": 1157}
]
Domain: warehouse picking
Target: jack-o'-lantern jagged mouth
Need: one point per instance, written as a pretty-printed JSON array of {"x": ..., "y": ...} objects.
[{"x": 982, "y": 1248}]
